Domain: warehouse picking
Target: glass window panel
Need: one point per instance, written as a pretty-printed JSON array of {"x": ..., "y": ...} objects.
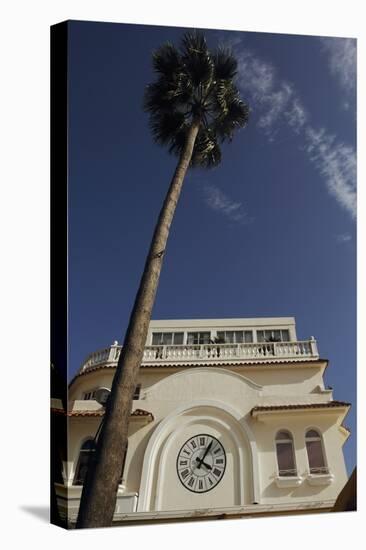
[
  {"x": 156, "y": 339},
  {"x": 191, "y": 338},
  {"x": 178, "y": 338},
  {"x": 277, "y": 335},
  {"x": 267, "y": 335},
  {"x": 229, "y": 337},
  {"x": 285, "y": 336},
  {"x": 137, "y": 392},
  {"x": 239, "y": 336},
  {"x": 283, "y": 436},
  {"x": 312, "y": 433},
  {"x": 260, "y": 335},
  {"x": 221, "y": 336},
  {"x": 248, "y": 336},
  {"x": 200, "y": 337},
  {"x": 315, "y": 454},
  {"x": 167, "y": 338},
  {"x": 84, "y": 457},
  {"x": 88, "y": 445},
  {"x": 285, "y": 458}
]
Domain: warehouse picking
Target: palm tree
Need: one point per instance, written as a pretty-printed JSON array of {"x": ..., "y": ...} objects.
[{"x": 193, "y": 105}]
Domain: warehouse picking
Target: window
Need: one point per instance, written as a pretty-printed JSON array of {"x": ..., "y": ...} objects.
[
  {"x": 86, "y": 452},
  {"x": 196, "y": 338},
  {"x": 314, "y": 448},
  {"x": 235, "y": 336},
  {"x": 167, "y": 338},
  {"x": 273, "y": 336},
  {"x": 285, "y": 454},
  {"x": 89, "y": 395},
  {"x": 87, "y": 448},
  {"x": 137, "y": 392}
]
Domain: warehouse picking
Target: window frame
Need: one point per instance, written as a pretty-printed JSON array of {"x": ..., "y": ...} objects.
[
  {"x": 172, "y": 333},
  {"x": 77, "y": 467},
  {"x": 199, "y": 332},
  {"x": 90, "y": 394},
  {"x": 320, "y": 470},
  {"x": 234, "y": 332},
  {"x": 137, "y": 392},
  {"x": 272, "y": 331},
  {"x": 293, "y": 472}
]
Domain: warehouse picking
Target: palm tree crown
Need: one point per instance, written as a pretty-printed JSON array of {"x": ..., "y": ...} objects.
[{"x": 195, "y": 85}]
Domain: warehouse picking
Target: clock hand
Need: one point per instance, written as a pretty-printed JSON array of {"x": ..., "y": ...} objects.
[
  {"x": 206, "y": 451},
  {"x": 204, "y": 463},
  {"x": 204, "y": 456}
]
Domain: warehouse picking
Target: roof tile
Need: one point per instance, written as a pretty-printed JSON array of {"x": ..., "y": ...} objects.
[
  {"x": 330, "y": 404},
  {"x": 100, "y": 412}
]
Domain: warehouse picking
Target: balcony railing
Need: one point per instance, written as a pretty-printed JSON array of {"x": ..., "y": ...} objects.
[
  {"x": 287, "y": 473},
  {"x": 211, "y": 353},
  {"x": 321, "y": 470}
]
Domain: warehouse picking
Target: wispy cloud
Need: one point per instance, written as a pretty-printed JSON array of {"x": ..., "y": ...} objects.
[
  {"x": 277, "y": 104},
  {"x": 344, "y": 238},
  {"x": 337, "y": 163},
  {"x": 220, "y": 202},
  {"x": 342, "y": 60},
  {"x": 296, "y": 116},
  {"x": 274, "y": 99}
]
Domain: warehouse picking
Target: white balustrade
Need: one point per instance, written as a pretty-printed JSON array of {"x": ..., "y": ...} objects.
[{"x": 211, "y": 352}]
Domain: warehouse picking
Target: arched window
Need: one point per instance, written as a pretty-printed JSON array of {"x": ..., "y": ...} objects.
[
  {"x": 285, "y": 454},
  {"x": 86, "y": 450},
  {"x": 314, "y": 447}
]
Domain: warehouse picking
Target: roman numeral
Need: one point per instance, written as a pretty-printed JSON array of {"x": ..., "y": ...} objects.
[
  {"x": 193, "y": 443},
  {"x": 183, "y": 463},
  {"x": 187, "y": 452},
  {"x": 200, "y": 484},
  {"x": 217, "y": 472},
  {"x": 202, "y": 440},
  {"x": 217, "y": 450},
  {"x": 185, "y": 473},
  {"x": 191, "y": 482},
  {"x": 219, "y": 461}
]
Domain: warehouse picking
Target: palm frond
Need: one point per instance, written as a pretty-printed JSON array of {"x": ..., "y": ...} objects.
[
  {"x": 225, "y": 64},
  {"x": 207, "y": 152},
  {"x": 166, "y": 60},
  {"x": 195, "y": 84},
  {"x": 196, "y": 59},
  {"x": 165, "y": 95},
  {"x": 235, "y": 116},
  {"x": 165, "y": 126}
]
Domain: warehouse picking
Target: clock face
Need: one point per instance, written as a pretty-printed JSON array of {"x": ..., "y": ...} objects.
[{"x": 201, "y": 463}]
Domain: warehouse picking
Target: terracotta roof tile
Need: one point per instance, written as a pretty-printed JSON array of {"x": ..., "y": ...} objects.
[
  {"x": 330, "y": 404},
  {"x": 100, "y": 412}
]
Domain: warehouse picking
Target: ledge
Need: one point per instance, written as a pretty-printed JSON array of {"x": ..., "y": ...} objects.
[
  {"x": 272, "y": 410},
  {"x": 288, "y": 481},
  {"x": 320, "y": 479}
]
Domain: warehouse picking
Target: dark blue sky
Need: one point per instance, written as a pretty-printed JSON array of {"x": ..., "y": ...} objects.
[{"x": 270, "y": 232}]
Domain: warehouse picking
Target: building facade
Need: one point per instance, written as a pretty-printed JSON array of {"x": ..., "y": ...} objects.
[{"x": 230, "y": 418}]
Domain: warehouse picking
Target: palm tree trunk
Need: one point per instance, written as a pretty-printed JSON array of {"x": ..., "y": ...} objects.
[{"x": 98, "y": 498}]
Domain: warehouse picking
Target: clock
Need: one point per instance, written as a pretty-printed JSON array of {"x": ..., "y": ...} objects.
[{"x": 201, "y": 463}]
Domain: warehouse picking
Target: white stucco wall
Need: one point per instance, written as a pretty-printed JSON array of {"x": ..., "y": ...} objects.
[{"x": 218, "y": 401}]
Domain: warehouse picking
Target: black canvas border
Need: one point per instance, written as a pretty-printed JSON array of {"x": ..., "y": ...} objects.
[{"x": 58, "y": 254}]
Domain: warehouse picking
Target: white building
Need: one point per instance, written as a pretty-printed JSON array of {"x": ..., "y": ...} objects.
[{"x": 230, "y": 417}]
